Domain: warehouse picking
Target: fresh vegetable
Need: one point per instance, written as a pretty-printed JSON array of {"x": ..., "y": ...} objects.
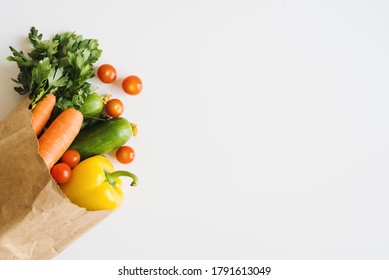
[
  {"x": 93, "y": 105},
  {"x": 92, "y": 109},
  {"x": 59, "y": 135},
  {"x": 107, "y": 73},
  {"x": 62, "y": 65},
  {"x": 71, "y": 158},
  {"x": 125, "y": 154},
  {"x": 95, "y": 185},
  {"x": 114, "y": 108},
  {"x": 103, "y": 137},
  {"x": 61, "y": 173},
  {"x": 42, "y": 112},
  {"x": 132, "y": 85}
]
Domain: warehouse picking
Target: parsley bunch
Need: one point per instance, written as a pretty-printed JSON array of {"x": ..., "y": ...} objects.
[{"x": 62, "y": 65}]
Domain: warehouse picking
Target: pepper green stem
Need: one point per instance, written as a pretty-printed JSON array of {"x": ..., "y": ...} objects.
[{"x": 111, "y": 177}]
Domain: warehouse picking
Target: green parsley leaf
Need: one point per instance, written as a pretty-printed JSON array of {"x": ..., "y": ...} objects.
[{"x": 61, "y": 65}]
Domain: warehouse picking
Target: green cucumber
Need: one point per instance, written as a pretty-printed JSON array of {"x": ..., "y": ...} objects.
[{"x": 102, "y": 137}]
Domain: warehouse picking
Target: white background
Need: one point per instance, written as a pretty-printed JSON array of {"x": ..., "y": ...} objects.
[
  {"x": 280, "y": 269},
  {"x": 263, "y": 125}
]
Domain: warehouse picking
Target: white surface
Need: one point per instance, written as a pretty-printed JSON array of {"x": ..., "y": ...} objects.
[{"x": 263, "y": 125}]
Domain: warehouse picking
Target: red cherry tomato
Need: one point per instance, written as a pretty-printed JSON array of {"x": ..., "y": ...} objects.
[
  {"x": 114, "y": 108},
  {"x": 132, "y": 85},
  {"x": 107, "y": 73},
  {"x": 61, "y": 172},
  {"x": 71, "y": 158},
  {"x": 125, "y": 154}
]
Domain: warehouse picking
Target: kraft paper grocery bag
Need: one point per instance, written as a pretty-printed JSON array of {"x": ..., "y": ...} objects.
[{"x": 37, "y": 221}]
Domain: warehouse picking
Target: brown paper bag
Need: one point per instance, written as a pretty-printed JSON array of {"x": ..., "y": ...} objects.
[{"x": 37, "y": 221}]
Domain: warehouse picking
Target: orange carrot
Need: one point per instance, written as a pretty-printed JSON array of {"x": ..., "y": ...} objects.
[
  {"x": 41, "y": 113},
  {"x": 59, "y": 135}
]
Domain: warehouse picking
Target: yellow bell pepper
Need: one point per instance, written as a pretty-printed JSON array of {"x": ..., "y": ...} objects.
[{"x": 95, "y": 185}]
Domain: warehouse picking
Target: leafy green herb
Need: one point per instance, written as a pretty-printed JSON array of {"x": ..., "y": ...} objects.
[{"x": 62, "y": 65}]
